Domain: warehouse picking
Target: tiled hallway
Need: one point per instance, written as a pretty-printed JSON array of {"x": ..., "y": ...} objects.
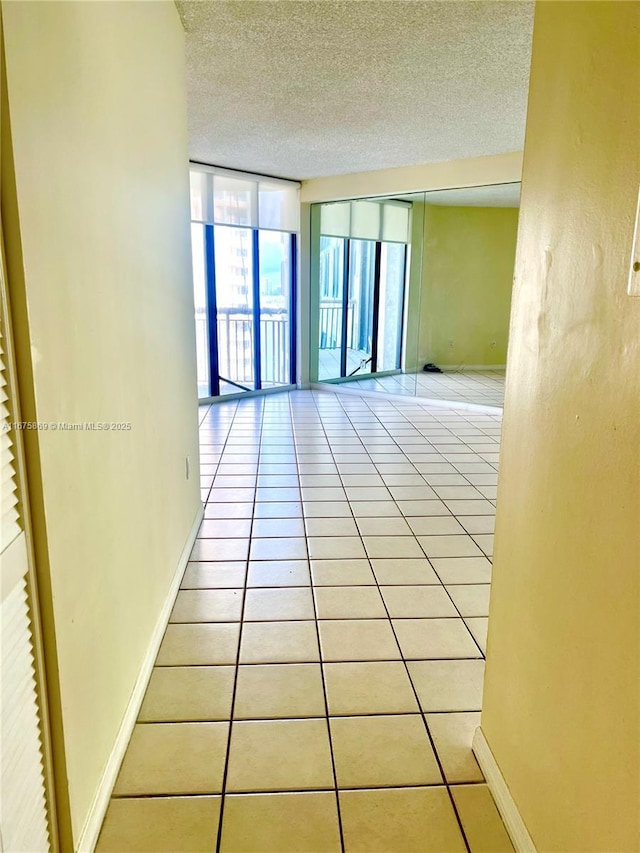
[{"x": 320, "y": 681}]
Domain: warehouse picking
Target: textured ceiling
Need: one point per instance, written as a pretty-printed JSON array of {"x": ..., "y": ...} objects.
[{"x": 307, "y": 89}]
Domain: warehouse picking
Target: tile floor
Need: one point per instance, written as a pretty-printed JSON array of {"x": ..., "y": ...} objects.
[
  {"x": 320, "y": 680},
  {"x": 480, "y": 387}
]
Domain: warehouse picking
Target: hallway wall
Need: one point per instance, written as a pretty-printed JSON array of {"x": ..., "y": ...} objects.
[
  {"x": 561, "y": 689},
  {"x": 96, "y": 212}
]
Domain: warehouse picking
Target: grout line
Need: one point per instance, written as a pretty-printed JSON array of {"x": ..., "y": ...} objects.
[
  {"x": 322, "y": 673},
  {"x": 237, "y": 664}
]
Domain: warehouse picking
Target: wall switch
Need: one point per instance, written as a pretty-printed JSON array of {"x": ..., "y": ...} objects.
[{"x": 633, "y": 286}]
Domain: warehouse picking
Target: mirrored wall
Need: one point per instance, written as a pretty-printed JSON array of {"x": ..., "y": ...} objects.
[{"x": 411, "y": 294}]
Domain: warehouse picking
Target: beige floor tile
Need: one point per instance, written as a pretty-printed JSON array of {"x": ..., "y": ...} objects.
[
  {"x": 484, "y": 541},
  {"x": 160, "y": 825},
  {"x": 274, "y": 605},
  {"x": 285, "y": 690},
  {"x": 214, "y": 576},
  {"x": 327, "y": 509},
  {"x": 404, "y": 571},
  {"x": 412, "y": 820},
  {"x": 435, "y": 525},
  {"x": 188, "y": 693},
  {"x": 278, "y": 549},
  {"x": 453, "y": 736},
  {"x": 279, "y": 573},
  {"x": 336, "y": 547},
  {"x": 368, "y": 493},
  {"x": 478, "y": 507},
  {"x": 417, "y": 602},
  {"x": 383, "y": 751},
  {"x": 275, "y": 823},
  {"x": 479, "y": 524},
  {"x": 265, "y": 528},
  {"x": 375, "y": 509},
  {"x": 448, "y": 685},
  {"x": 422, "y": 639},
  {"x": 464, "y": 570},
  {"x": 207, "y": 605},
  {"x": 323, "y": 493},
  {"x": 279, "y": 642},
  {"x": 225, "y": 528},
  {"x": 174, "y": 758},
  {"x": 380, "y": 687},
  {"x": 421, "y": 508},
  {"x": 198, "y": 644},
  {"x": 471, "y": 599},
  {"x": 371, "y": 526},
  {"x": 357, "y": 639},
  {"x": 449, "y": 546},
  {"x": 481, "y": 820},
  {"x": 331, "y": 527},
  {"x": 215, "y": 550},
  {"x": 228, "y": 510},
  {"x": 282, "y": 509},
  {"x": 392, "y": 547},
  {"x": 279, "y": 755},
  {"x": 349, "y": 602},
  {"x": 342, "y": 573},
  {"x": 479, "y": 626}
]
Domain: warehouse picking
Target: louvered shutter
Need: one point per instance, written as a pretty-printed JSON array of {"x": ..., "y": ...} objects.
[{"x": 23, "y": 808}]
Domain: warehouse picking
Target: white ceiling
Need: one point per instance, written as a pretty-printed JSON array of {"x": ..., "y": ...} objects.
[{"x": 302, "y": 89}]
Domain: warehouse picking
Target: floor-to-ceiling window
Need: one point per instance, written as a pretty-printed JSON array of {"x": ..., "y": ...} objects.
[
  {"x": 244, "y": 244},
  {"x": 361, "y": 282}
]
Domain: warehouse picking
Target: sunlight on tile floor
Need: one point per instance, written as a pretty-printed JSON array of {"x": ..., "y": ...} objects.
[
  {"x": 479, "y": 387},
  {"x": 320, "y": 680}
]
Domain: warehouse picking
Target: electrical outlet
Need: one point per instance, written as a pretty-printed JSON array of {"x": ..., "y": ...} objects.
[
  {"x": 492, "y": 344},
  {"x": 450, "y": 344},
  {"x": 187, "y": 466}
]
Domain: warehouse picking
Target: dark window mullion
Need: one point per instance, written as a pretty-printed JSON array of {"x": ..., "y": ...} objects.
[
  {"x": 212, "y": 311},
  {"x": 376, "y": 308},
  {"x": 293, "y": 306},
  {"x": 346, "y": 255},
  {"x": 257, "y": 354}
]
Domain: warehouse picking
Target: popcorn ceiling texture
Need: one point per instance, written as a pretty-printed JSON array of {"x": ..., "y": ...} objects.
[{"x": 307, "y": 89}]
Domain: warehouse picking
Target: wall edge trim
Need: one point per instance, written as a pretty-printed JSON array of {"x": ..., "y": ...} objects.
[
  {"x": 514, "y": 824},
  {"x": 95, "y": 817}
]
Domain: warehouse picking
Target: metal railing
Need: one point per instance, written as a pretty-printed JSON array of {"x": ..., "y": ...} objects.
[{"x": 236, "y": 342}]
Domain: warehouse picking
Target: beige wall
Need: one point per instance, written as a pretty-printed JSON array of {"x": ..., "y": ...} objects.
[
  {"x": 467, "y": 277},
  {"x": 562, "y": 683},
  {"x": 104, "y": 322},
  {"x": 469, "y": 172}
]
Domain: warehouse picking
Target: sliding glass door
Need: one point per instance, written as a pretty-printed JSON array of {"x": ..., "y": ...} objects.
[
  {"x": 361, "y": 283},
  {"x": 244, "y": 264}
]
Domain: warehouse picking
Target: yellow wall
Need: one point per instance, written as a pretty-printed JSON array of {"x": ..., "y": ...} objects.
[
  {"x": 561, "y": 691},
  {"x": 104, "y": 327},
  {"x": 467, "y": 276}
]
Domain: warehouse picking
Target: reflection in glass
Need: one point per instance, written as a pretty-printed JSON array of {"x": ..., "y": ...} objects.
[
  {"x": 362, "y": 258},
  {"x": 234, "y": 297},
  {"x": 275, "y": 295},
  {"x": 200, "y": 301},
  {"x": 391, "y": 302},
  {"x": 331, "y": 278}
]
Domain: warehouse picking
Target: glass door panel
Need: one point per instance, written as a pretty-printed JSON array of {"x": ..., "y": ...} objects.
[
  {"x": 234, "y": 298},
  {"x": 332, "y": 284},
  {"x": 275, "y": 302},
  {"x": 391, "y": 305},
  {"x": 200, "y": 301},
  {"x": 362, "y": 262}
]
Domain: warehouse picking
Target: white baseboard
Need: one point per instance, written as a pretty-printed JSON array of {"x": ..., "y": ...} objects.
[
  {"x": 505, "y": 803},
  {"x": 95, "y": 818}
]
